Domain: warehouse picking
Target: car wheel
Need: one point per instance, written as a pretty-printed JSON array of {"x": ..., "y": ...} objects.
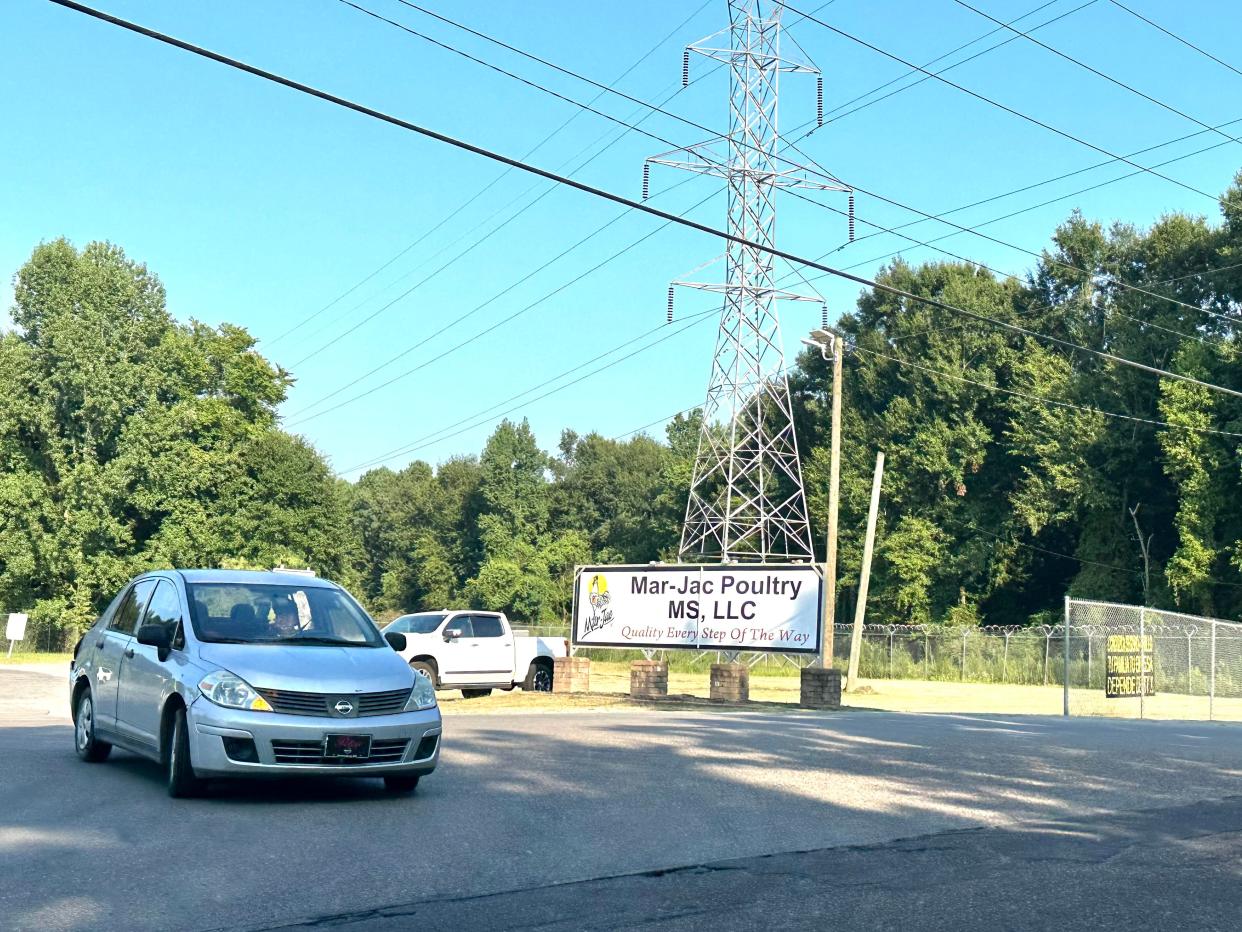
[
  {"x": 426, "y": 670},
  {"x": 182, "y": 783},
  {"x": 539, "y": 679},
  {"x": 475, "y": 693},
  {"x": 401, "y": 784},
  {"x": 89, "y": 747}
]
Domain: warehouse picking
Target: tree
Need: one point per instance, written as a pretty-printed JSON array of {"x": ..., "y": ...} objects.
[{"x": 130, "y": 441}]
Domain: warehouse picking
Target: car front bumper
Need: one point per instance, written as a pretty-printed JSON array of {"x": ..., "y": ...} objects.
[{"x": 272, "y": 732}]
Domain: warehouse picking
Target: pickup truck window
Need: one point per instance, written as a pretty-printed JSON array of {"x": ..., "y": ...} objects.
[
  {"x": 487, "y": 626},
  {"x": 462, "y": 624},
  {"x": 421, "y": 624}
]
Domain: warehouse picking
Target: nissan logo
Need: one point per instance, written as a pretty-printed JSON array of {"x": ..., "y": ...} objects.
[{"x": 344, "y": 707}]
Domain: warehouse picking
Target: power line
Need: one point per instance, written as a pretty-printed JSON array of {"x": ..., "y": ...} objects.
[
  {"x": 418, "y": 444},
  {"x": 616, "y": 198},
  {"x": 960, "y": 228},
  {"x": 1095, "y": 71},
  {"x": 1078, "y": 171},
  {"x": 1173, "y": 35},
  {"x": 957, "y": 64},
  {"x": 990, "y": 101},
  {"x": 300, "y": 419},
  {"x": 1045, "y": 204},
  {"x": 981, "y": 265},
  {"x": 505, "y": 45},
  {"x": 435, "y": 434},
  {"x": 458, "y": 210}
]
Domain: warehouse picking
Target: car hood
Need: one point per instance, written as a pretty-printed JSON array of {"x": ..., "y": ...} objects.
[{"x": 312, "y": 668}]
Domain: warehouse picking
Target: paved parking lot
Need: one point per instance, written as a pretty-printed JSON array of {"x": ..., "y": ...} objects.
[{"x": 583, "y": 820}]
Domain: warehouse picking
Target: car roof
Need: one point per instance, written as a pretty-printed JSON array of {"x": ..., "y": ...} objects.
[{"x": 252, "y": 577}]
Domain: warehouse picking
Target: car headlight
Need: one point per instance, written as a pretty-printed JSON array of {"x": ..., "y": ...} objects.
[
  {"x": 423, "y": 695},
  {"x": 232, "y": 692}
]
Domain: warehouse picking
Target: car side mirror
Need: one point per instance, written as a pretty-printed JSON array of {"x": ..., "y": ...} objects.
[
  {"x": 396, "y": 640},
  {"x": 452, "y": 634},
  {"x": 158, "y": 636}
]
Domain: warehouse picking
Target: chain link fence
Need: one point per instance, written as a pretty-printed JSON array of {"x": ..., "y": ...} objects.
[
  {"x": 1135, "y": 662},
  {"x": 1116, "y": 660}
]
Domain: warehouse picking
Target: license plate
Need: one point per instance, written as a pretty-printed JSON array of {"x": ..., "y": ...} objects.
[{"x": 351, "y": 747}]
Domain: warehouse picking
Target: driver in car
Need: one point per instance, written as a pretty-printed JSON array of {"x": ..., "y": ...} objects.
[{"x": 286, "y": 618}]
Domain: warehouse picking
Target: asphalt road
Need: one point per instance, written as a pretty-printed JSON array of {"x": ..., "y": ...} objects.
[{"x": 619, "y": 820}]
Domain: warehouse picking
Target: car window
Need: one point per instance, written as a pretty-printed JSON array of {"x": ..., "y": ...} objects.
[
  {"x": 164, "y": 607},
  {"x": 267, "y": 613},
  {"x": 462, "y": 624},
  {"x": 125, "y": 621},
  {"x": 401, "y": 625},
  {"x": 487, "y": 626}
]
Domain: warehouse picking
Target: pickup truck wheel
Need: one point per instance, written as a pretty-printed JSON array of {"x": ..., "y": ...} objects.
[
  {"x": 401, "y": 783},
  {"x": 539, "y": 679},
  {"x": 475, "y": 693},
  {"x": 89, "y": 747},
  {"x": 426, "y": 670}
]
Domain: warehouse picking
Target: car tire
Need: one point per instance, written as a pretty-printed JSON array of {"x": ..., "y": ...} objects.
[
  {"x": 538, "y": 678},
  {"x": 401, "y": 783},
  {"x": 89, "y": 747},
  {"x": 475, "y": 693},
  {"x": 182, "y": 783},
  {"x": 427, "y": 670}
]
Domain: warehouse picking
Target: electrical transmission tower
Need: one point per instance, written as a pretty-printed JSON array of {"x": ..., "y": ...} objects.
[{"x": 747, "y": 500}]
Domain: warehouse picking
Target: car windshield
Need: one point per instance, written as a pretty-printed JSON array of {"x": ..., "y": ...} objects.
[
  {"x": 423, "y": 624},
  {"x": 244, "y": 613}
]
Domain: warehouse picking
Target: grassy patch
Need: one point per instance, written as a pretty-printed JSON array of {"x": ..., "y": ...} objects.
[{"x": 24, "y": 657}]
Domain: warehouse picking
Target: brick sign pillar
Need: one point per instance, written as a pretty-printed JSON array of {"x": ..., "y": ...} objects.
[
  {"x": 821, "y": 689},
  {"x": 571, "y": 675},
  {"x": 730, "y": 682},
  {"x": 648, "y": 679}
]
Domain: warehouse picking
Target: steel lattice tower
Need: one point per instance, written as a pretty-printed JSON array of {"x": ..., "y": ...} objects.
[{"x": 747, "y": 499}]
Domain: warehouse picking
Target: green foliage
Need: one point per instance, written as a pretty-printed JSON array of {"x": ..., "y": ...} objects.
[{"x": 129, "y": 441}]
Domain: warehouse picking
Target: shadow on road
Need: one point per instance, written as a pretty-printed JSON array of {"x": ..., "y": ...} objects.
[{"x": 526, "y": 801}]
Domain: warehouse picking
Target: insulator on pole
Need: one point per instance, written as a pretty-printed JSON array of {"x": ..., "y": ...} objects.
[
  {"x": 819, "y": 100},
  {"x": 824, "y": 310},
  {"x": 685, "y": 68},
  {"x": 670, "y": 304},
  {"x": 646, "y": 179},
  {"x": 851, "y": 214}
]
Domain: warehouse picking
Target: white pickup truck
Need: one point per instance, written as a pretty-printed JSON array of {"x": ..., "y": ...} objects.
[{"x": 477, "y": 652}]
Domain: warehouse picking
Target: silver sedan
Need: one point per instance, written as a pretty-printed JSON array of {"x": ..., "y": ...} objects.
[{"x": 221, "y": 673}]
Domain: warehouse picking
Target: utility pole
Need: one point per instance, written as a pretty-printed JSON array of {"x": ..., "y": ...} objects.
[
  {"x": 860, "y": 610},
  {"x": 822, "y": 340},
  {"x": 747, "y": 499}
]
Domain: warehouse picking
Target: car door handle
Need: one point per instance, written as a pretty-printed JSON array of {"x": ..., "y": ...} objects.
[{"x": 129, "y": 652}]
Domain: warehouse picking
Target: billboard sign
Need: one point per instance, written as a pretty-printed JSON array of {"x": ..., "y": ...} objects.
[{"x": 750, "y": 607}]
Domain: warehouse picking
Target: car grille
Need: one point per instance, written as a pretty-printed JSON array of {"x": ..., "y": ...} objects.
[
  {"x": 294, "y": 703},
  {"x": 387, "y": 751}
]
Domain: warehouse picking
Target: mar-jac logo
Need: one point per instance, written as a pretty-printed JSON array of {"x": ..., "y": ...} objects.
[{"x": 598, "y": 596}]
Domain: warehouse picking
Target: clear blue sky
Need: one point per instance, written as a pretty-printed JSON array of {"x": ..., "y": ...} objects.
[{"x": 259, "y": 206}]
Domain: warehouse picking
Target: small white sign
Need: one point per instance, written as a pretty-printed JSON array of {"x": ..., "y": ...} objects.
[
  {"x": 15, "y": 630},
  {"x": 700, "y": 607}
]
